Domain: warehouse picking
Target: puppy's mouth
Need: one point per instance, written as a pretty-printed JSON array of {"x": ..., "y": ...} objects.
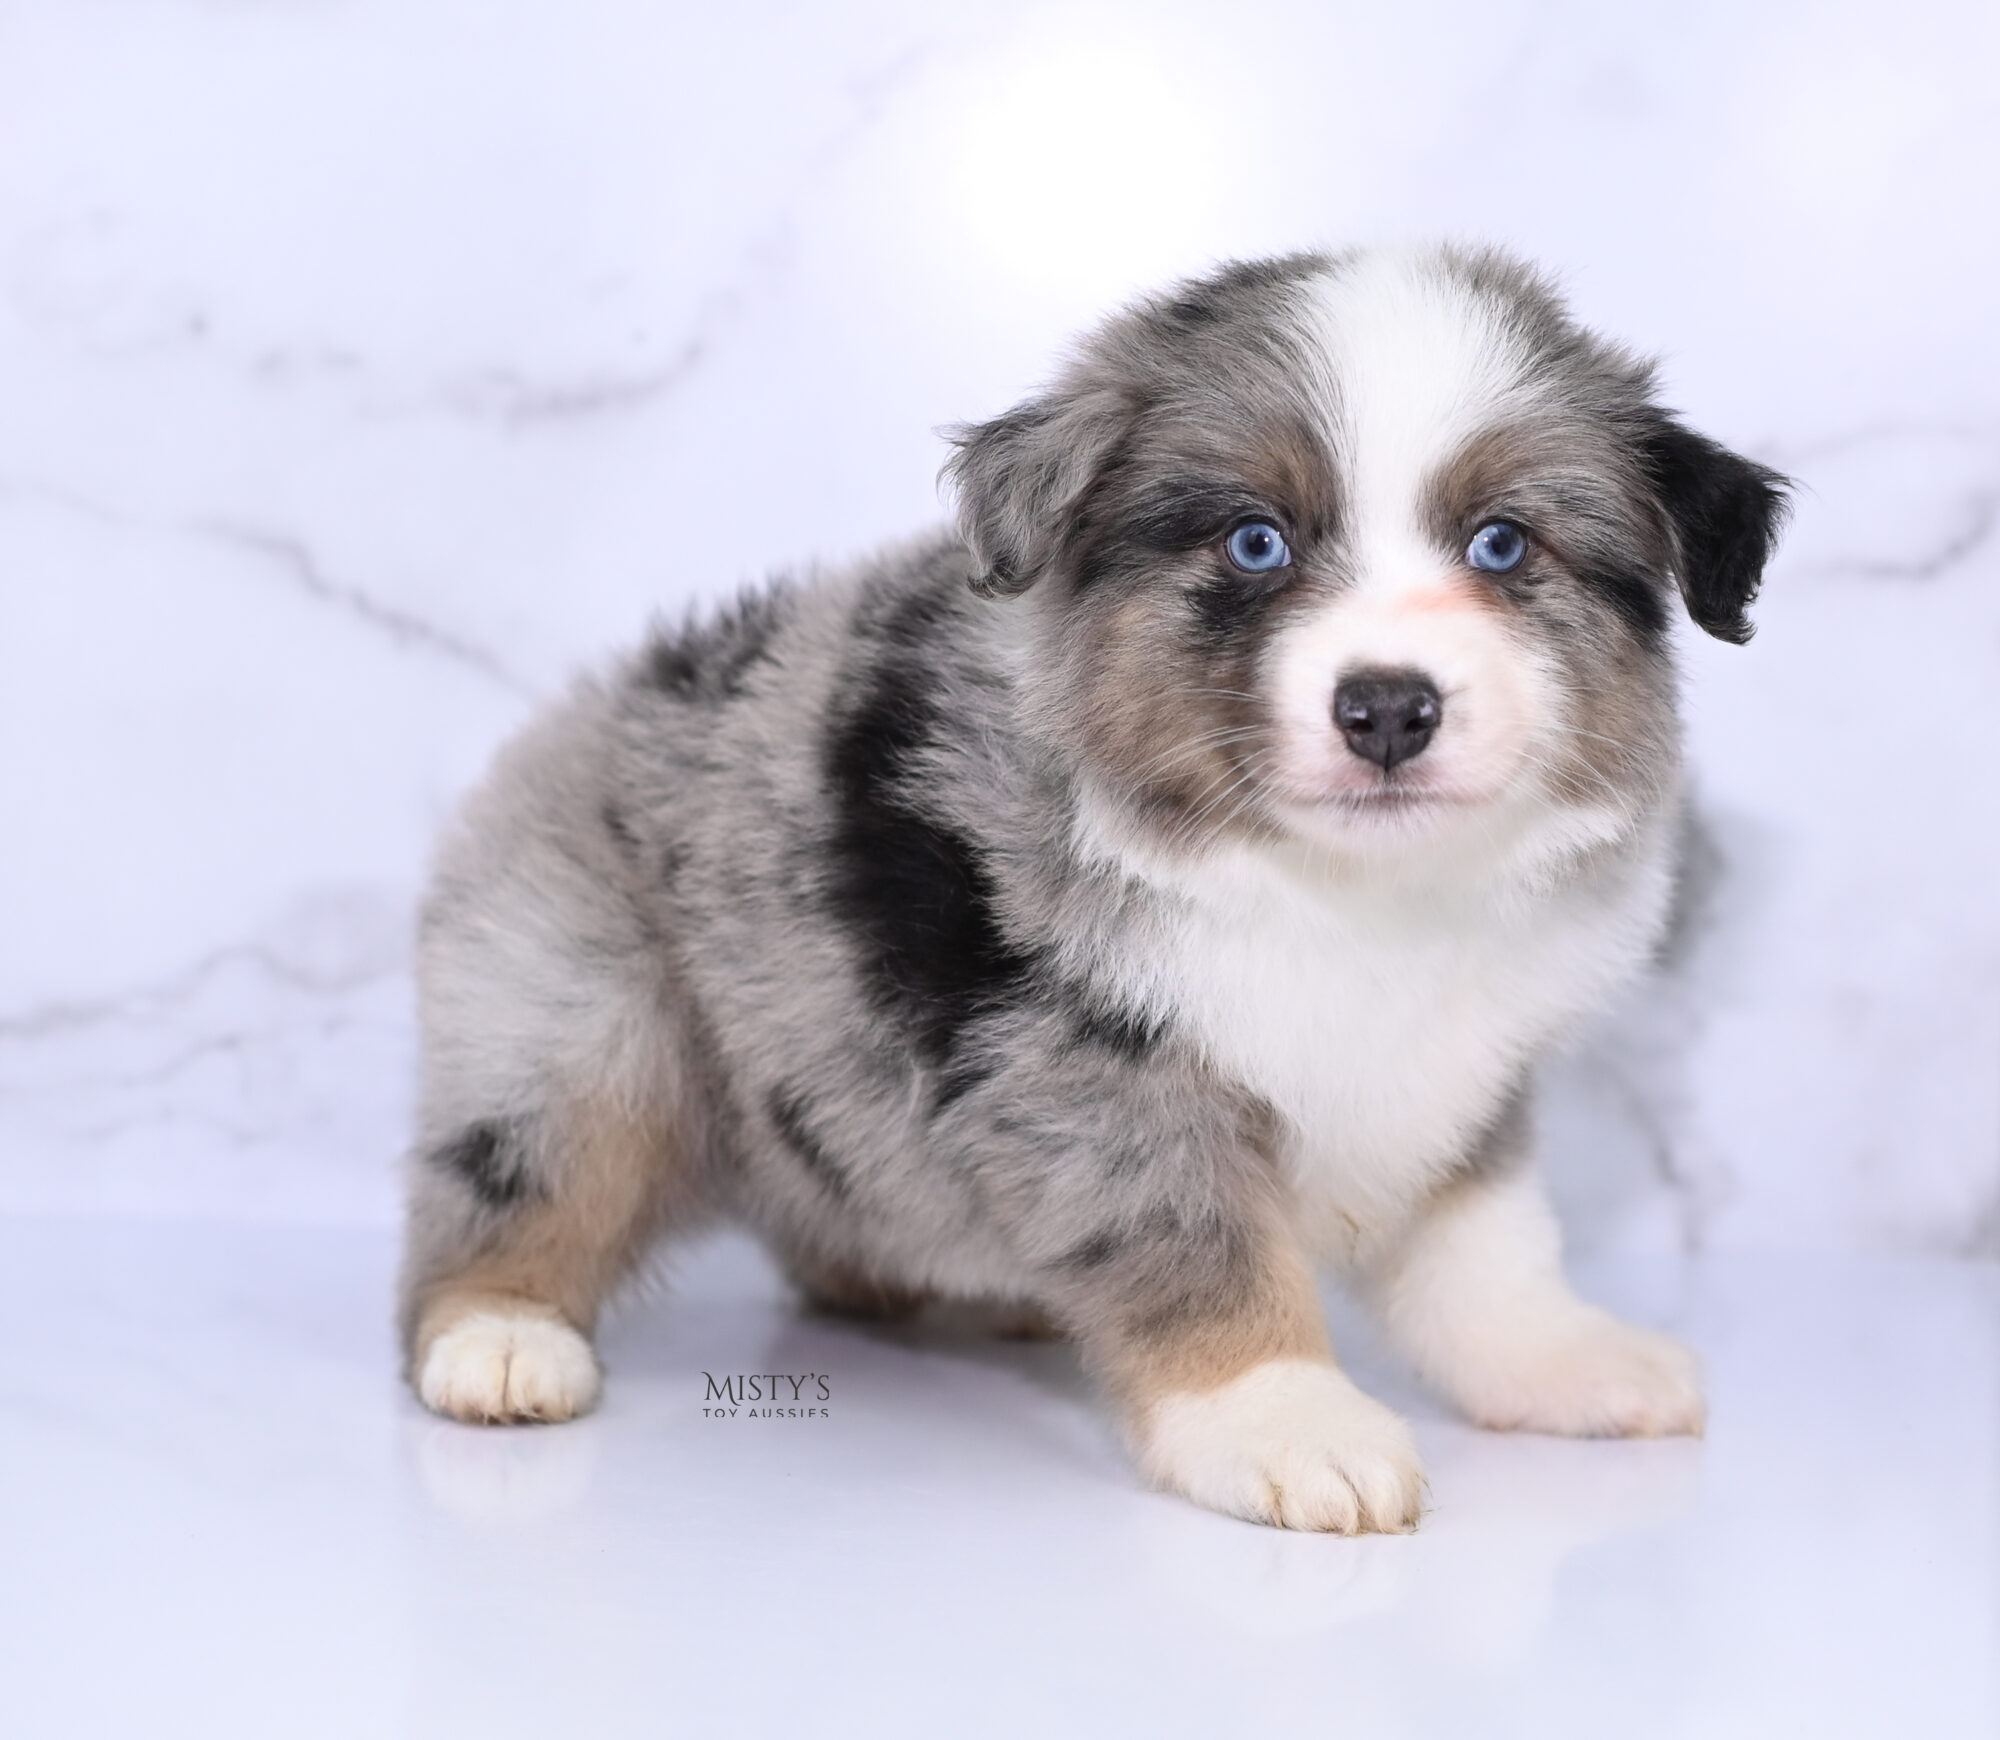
[
  {"x": 1391, "y": 796},
  {"x": 1392, "y": 803},
  {"x": 1390, "y": 800}
]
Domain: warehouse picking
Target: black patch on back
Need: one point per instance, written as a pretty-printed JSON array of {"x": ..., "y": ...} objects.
[
  {"x": 788, "y": 1112},
  {"x": 486, "y": 1158},
  {"x": 917, "y": 894},
  {"x": 709, "y": 661}
]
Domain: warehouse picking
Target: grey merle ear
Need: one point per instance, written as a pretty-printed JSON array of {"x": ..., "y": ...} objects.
[
  {"x": 1724, "y": 511},
  {"x": 1016, "y": 479}
]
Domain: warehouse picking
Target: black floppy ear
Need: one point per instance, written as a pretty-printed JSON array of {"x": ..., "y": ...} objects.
[
  {"x": 1016, "y": 478},
  {"x": 1724, "y": 511}
]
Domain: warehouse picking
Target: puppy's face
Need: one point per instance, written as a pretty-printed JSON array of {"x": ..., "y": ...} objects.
[{"x": 1338, "y": 550}]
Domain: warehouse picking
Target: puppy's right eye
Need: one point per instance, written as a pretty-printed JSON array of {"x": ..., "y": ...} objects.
[{"x": 1257, "y": 547}]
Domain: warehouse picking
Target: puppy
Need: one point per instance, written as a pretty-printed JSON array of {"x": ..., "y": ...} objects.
[{"x": 1157, "y": 887}]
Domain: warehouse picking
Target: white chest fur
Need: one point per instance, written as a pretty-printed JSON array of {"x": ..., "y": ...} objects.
[{"x": 1387, "y": 1021}]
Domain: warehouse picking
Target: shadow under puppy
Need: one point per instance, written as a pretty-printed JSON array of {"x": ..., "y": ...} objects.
[{"x": 1157, "y": 887}]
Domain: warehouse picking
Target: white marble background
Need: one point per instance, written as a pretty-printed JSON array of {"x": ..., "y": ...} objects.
[{"x": 366, "y": 366}]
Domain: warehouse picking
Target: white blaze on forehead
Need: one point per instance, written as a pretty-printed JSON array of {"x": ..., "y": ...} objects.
[{"x": 1417, "y": 363}]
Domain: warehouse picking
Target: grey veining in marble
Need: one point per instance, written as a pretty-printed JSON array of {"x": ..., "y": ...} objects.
[{"x": 370, "y": 368}]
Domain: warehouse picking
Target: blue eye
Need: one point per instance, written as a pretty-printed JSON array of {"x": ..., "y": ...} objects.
[
  {"x": 1497, "y": 547},
  {"x": 1257, "y": 548}
]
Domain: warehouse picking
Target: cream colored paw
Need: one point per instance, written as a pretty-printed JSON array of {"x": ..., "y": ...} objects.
[
  {"x": 1593, "y": 1378},
  {"x": 1290, "y": 1442},
  {"x": 496, "y": 1366}
]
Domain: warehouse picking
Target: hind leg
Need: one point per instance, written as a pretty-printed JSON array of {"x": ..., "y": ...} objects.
[
  {"x": 555, "y": 1145},
  {"x": 514, "y": 1246},
  {"x": 842, "y": 1289}
]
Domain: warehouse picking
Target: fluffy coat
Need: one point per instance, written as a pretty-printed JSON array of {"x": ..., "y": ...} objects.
[{"x": 1052, "y": 911}]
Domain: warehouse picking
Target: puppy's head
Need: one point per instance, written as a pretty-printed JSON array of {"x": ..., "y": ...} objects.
[{"x": 1340, "y": 549}]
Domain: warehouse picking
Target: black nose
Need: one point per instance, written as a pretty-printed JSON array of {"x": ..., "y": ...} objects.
[{"x": 1387, "y": 716}]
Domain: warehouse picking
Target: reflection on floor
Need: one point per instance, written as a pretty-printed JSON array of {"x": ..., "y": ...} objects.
[{"x": 222, "y": 1516}]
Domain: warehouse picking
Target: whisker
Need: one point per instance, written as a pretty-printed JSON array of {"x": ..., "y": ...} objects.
[
  {"x": 1249, "y": 771},
  {"x": 1201, "y": 745}
]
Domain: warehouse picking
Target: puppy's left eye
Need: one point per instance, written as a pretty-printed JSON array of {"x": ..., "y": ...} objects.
[
  {"x": 1497, "y": 547},
  {"x": 1257, "y": 548}
]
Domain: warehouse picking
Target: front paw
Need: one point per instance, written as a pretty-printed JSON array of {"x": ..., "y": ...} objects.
[
  {"x": 1594, "y": 1377},
  {"x": 1290, "y": 1442},
  {"x": 496, "y": 1367}
]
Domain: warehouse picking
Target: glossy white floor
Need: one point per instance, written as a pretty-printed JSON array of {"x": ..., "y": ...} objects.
[{"x": 222, "y": 1516}]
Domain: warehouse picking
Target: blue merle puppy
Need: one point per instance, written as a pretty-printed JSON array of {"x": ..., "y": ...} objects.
[{"x": 1119, "y": 906}]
